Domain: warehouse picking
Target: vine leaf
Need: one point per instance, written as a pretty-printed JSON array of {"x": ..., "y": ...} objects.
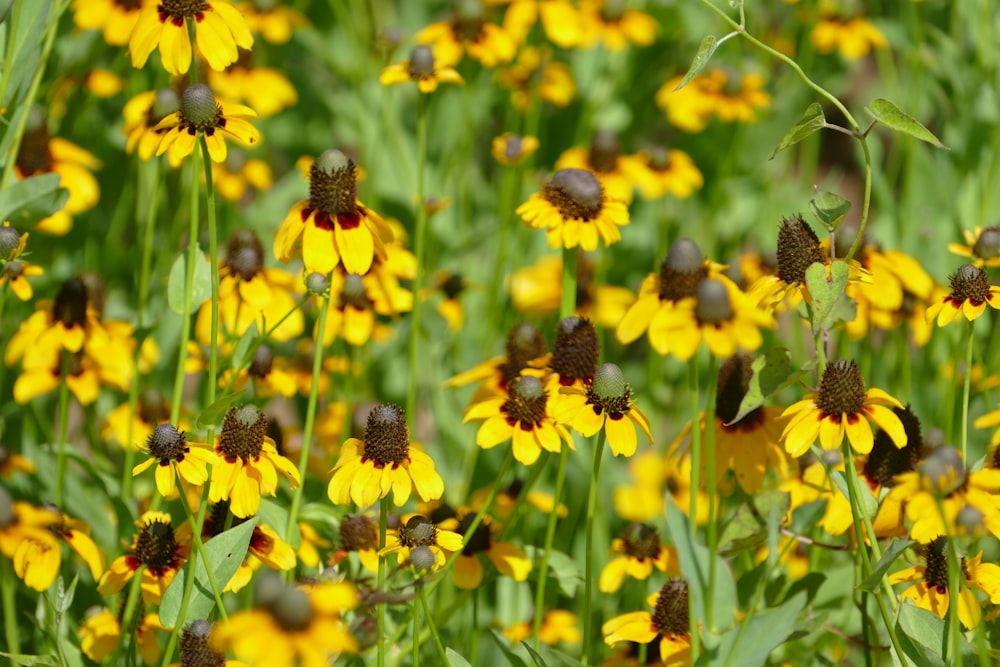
[
  {"x": 830, "y": 208},
  {"x": 772, "y": 372},
  {"x": 812, "y": 121},
  {"x": 830, "y": 301},
  {"x": 705, "y": 51},
  {"x": 894, "y": 118}
]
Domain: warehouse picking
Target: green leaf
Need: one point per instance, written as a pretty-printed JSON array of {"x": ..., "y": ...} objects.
[
  {"x": 748, "y": 528},
  {"x": 705, "y": 51},
  {"x": 276, "y": 516},
  {"x": 201, "y": 286},
  {"x": 894, "y": 118},
  {"x": 245, "y": 348},
  {"x": 752, "y": 642},
  {"x": 64, "y": 596},
  {"x": 225, "y": 552},
  {"x": 872, "y": 583},
  {"x": 535, "y": 657},
  {"x": 563, "y": 569},
  {"x": 31, "y": 660},
  {"x": 830, "y": 208},
  {"x": 772, "y": 373},
  {"x": 512, "y": 658},
  {"x": 213, "y": 414},
  {"x": 812, "y": 121},
  {"x": 26, "y": 202},
  {"x": 925, "y": 633},
  {"x": 868, "y": 503},
  {"x": 830, "y": 303},
  {"x": 454, "y": 659}
]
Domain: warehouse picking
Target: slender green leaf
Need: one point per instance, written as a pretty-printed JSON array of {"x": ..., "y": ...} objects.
[
  {"x": 225, "y": 552},
  {"x": 830, "y": 208},
  {"x": 276, "y": 516},
  {"x": 812, "y": 121},
  {"x": 705, "y": 51},
  {"x": 869, "y": 505},
  {"x": 752, "y": 642},
  {"x": 26, "y": 202},
  {"x": 563, "y": 569},
  {"x": 748, "y": 527},
  {"x": 455, "y": 659},
  {"x": 513, "y": 658},
  {"x": 201, "y": 287},
  {"x": 213, "y": 414},
  {"x": 64, "y": 596},
  {"x": 535, "y": 657},
  {"x": 894, "y": 118},
  {"x": 32, "y": 660},
  {"x": 246, "y": 347},
  {"x": 871, "y": 584}
]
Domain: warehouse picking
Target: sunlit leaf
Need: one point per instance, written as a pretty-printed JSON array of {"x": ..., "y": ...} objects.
[
  {"x": 830, "y": 208},
  {"x": 705, "y": 51},
  {"x": 811, "y": 122},
  {"x": 201, "y": 286},
  {"x": 894, "y": 118}
]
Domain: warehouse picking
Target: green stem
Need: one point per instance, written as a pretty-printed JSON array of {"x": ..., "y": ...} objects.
[
  {"x": 550, "y": 535},
  {"x": 415, "y": 613},
  {"x": 383, "y": 521},
  {"x": 196, "y": 527},
  {"x": 567, "y": 304},
  {"x": 595, "y": 476},
  {"x": 695, "y": 482},
  {"x": 419, "y": 251},
  {"x": 422, "y": 594},
  {"x": 8, "y": 590},
  {"x": 63, "y": 427},
  {"x": 711, "y": 479},
  {"x": 125, "y": 622},
  {"x": 508, "y": 194},
  {"x": 307, "y": 434},
  {"x": 213, "y": 258},
  {"x": 966, "y": 386}
]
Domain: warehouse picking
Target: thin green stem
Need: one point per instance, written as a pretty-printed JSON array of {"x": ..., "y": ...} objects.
[
  {"x": 419, "y": 250},
  {"x": 63, "y": 427},
  {"x": 567, "y": 304},
  {"x": 550, "y": 535},
  {"x": 213, "y": 258},
  {"x": 383, "y": 522},
  {"x": 508, "y": 192},
  {"x": 966, "y": 387},
  {"x": 196, "y": 528},
  {"x": 695, "y": 483},
  {"x": 422, "y": 594},
  {"x": 595, "y": 476},
  {"x": 8, "y": 591},
  {"x": 415, "y": 614},
  {"x": 711, "y": 478},
  {"x": 307, "y": 434},
  {"x": 125, "y": 622}
]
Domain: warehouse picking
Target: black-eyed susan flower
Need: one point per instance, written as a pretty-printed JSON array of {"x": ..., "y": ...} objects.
[
  {"x": 423, "y": 68},
  {"x": 65, "y": 323},
  {"x": 610, "y": 23},
  {"x": 291, "y": 626},
  {"x": 201, "y": 113},
  {"x": 535, "y": 72},
  {"x": 219, "y": 30},
  {"x": 451, "y": 286},
  {"x": 605, "y": 402},
  {"x": 38, "y": 557},
  {"x": 605, "y": 160},
  {"x": 510, "y": 148},
  {"x": 928, "y": 583},
  {"x": 174, "y": 456},
  {"x": 356, "y": 301},
  {"x": 507, "y": 558},
  {"x": 637, "y": 551},
  {"x": 267, "y": 373},
  {"x": 14, "y": 270},
  {"x": 798, "y": 249},
  {"x": 941, "y": 489},
  {"x": 275, "y": 23},
  {"x": 116, "y": 18},
  {"x": 971, "y": 292},
  {"x": 989, "y": 420},
  {"x": 196, "y": 649},
  {"x": 669, "y": 622},
  {"x": 558, "y": 625},
  {"x": 248, "y": 463},
  {"x": 854, "y": 38},
  {"x": 266, "y": 90},
  {"x": 358, "y": 534},
  {"x": 20, "y": 520},
  {"x": 560, "y": 20},
  {"x": 419, "y": 531},
  {"x": 713, "y": 94},
  {"x": 158, "y": 549},
  {"x": 982, "y": 246},
  {"x": 660, "y": 171},
  {"x": 525, "y": 343},
  {"x": 333, "y": 225},
  {"x": 142, "y": 114},
  {"x": 382, "y": 462},
  {"x": 574, "y": 210},
  {"x": 841, "y": 406},
  {"x": 123, "y": 422},
  {"x": 100, "y": 632},
  {"x": 470, "y": 33}
]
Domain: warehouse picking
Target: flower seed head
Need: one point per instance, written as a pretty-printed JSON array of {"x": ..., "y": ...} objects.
[
  {"x": 682, "y": 271},
  {"x": 198, "y": 104},
  {"x": 713, "y": 302},
  {"x": 317, "y": 283},
  {"x": 609, "y": 382},
  {"x": 387, "y": 440},
  {"x": 733, "y": 384},
  {"x": 156, "y": 547},
  {"x": 333, "y": 189},
  {"x": 642, "y": 541},
  {"x": 167, "y": 444},
  {"x": 418, "y": 532},
  {"x": 841, "y": 389},
  {"x": 524, "y": 343},
  {"x": 422, "y": 559},
  {"x": 263, "y": 360},
  {"x": 358, "y": 532},
  {"x": 331, "y": 161},
  {"x": 10, "y": 241},
  {"x": 526, "y": 402},
  {"x": 245, "y": 254},
  {"x": 604, "y": 151},
  {"x": 943, "y": 472},
  {"x": 576, "y": 351},
  {"x": 576, "y": 192},
  {"x": 659, "y": 158},
  {"x": 886, "y": 460},
  {"x": 512, "y": 150},
  {"x": 421, "y": 61},
  {"x": 798, "y": 249},
  {"x": 987, "y": 246},
  {"x": 671, "y": 614},
  {"x": 243, "y": 433},
  {"x": 528, "y": 387},
  {"x": 70, "y": 305},
  {"x": 292, "y": 610},
  {"x": 969, "y": 283},
  {"x": 969, "y": 520},
  {"x": 194, "y": 647},
  {"x": 936, "y": 565}
]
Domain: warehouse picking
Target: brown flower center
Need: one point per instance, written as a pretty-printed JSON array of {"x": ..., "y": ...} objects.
[
  {"x": 641, "y": 541},
  {"x": 970, "y": 284},
  {"x": 604, "y": 151},
  {"x": 418, "y": 532},
  {"x": 576, "y": 351},
  {"x": 70, "y": 305},
  {"x": 936, "y": 571},
  {"x": 525, "y": 404},
  {"x": 243, "y": 432},
  {"x": 358, "y": 532},
  {"x": 167, "y": 444},
  {"x": 178, "y": 10},
  {"x": 129, "y": 5},
  {"x": 734, "y": 382},
  {"x": 886, "y": 460},
  {"x": 479, "y": 541},
  {"x": 841, "y": 390},
  {"x": 576, "y": 193},
  {"x": 671, "y": 614},
  {"x": 387, "y": 440},
  {"x": 292, "y": 610},
  {"x": 245, "y": 254},
  {"x": 153, "y": 407},
  {"x": 987, "y": 246},
  {"x": 156, "y": 547},
  {"x": 798, "y": 249},
  {"x": 333, "y": 191},
  {"x": 194, "y": 647},
  {"x": 659, "y": 158},
  {"x": 452, "y": 285},
  {"x": 34, "y": 156},
  {"x": 524, "y": 343},
  {"x": 682, "y": 271}
]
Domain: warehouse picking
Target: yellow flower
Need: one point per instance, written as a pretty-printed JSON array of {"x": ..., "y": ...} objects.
[
  {"x": 38, "y": 557},
  {"x": 423, "y": 68},
  {"x": 116, "y": 18},
  {"x": 605, "y": 403},
  {"x": 419, "y": 531},
  {"x": 982, "y": 246},
  {"x": 13, "y": 269},
  {"x": 508, "y": 559},
  {"x": 609, "y": 22},
  {"x": 308, "y": 552},
  {"x": 525, "y": 343},
  {"x": 173, "y": 456},
  {"x": 558, "y": 625},
  {"x": 265, "y": 546},
  {"x": 661, "y": 171},
  {"x": 510, "y": 148},
  {"x": 143, "y": 114},
  {"x": 265, "y": 90},
  {"x": 486, "y": 42},
  {"x": 269, "y": 375},
  {"x": 332, "y": 224},
  {"x": 195, "y": 647},
  {"x": 238, "y": 173},
  {"x": 854, "y": 38},
  {"x": 100, "y": 632},
  {"x": 291, "y": 626},
  {"x": 156, "y": 546},
  {"x": 574, "y": 210},
  {"x": 929, "y": 583},
  {"x": 358, "y": 534},
  {"x": 841, "y": 406},
  {"x": 248, "y": 463},
  {"x": 899, "y": 288},
  {"x": 152, "y": 409},
  {"x": 712, "y": 94},
  {"x": 383, "y": 461},
  {"x": 219, "y": 30},
  {"x": 669, "y": 621},
  {"x": 561, "y": 21},
  {"x": 605, "y": 160},
  {"x": 357, "y": 300},
  {"x": 201, "y": 114},
  {"x": 275, "y": 23},
  {"x": 535, "y": 69},
  {"x": 971, "y": 292},
  {"x": 639, "y": 551},
  {"x": 11, "y": 462}
]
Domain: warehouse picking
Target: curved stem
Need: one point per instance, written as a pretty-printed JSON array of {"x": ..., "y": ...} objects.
[
  {"x": 550, "y": 534},
  {"x": 125, "y": 622},
  {"x": 595, "y": 476},
  {"x": 419, "y": 241},
  {"x": 422, "y": 594}
]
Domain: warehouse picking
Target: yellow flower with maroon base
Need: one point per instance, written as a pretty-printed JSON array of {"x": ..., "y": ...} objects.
[
  {"x": 509, "y": 559},
  {"x": 158, "y": 549},
  {"x": 714, "y": 94},
  {"x": 200, "y": 113},
  {"x": 38, "y": 557},
  {"x": 382, "y": 462},
  {"x": 669, "y": 622},
  {"x": 419, "y": 531},
  {"x": 142, "y": 114},
  {"x": 486, "y": 42},
  {"x": 265, "y": 546},
  {"x": 574, "y": 210},
  {"x": 333, "y": 225},
  {"x": 605, "y": 160},
  {"x": 659, "y": 171},
  {"x": 606, "y": 402},
  {"x": 854, "y": 38},
  {"x": 219, "y": 30},
  {"x": 358, "y": 534},
  {"x": 275, "y": 23},
  {"x": 525, "y": 343},
  {"x": 116, "y": 18},
  {"x": 173, "y": 456},
  {"x": 100, "y": 632},
  {"x": 841, "y": 407},
  {"x": 536, "y": 73},
  {"x": 510, "y": 148},
  {"x": 610, "y": 23},
  {"x": 971, "y": 292},
  {"x": 637, "y": 552}
]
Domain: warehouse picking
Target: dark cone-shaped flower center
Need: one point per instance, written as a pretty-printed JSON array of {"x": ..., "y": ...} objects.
[
  {"x": 34, "y": 156},
  {"x": 199, "y": 108},
  {"x": 576, "y": 351},
  {"x": 610, "y": 393},
  {"x": 798, "y": 249},
  {"x": 512, "y": 150},
  {"x": 10, "y": 240},
  {"x": 292, "y": 610},
  {"x": 671, "y": 614},
  {"x": 612, "y": 11},
  {"x": 734, "y": 382},
  {"x": 13, "y": 269},
  {"x": 970, "y": 284},
  {"x": 478, "y": 542},
  {"x": 525, "y": 404},
  {"x": 70, "y": 306},
  {"x": 713, "y": 306},
  {"x": 641, "y": 541},
  {"x": 245, "y": 254},
  {"x": 576, "y": 193},
  {"x": 156, "y": 547},
  {"x": 524, "y": 343},
  {"x": 987, "y": 246},
  {"x": 452, "y": 285},
  {"x": 421, "y": 61},
  {"x": 659, "y": 158},
  {"x": 194, "y": 648},
  {"x": 387, "y": 440},
  {"x": 215, "y": 522},
  {"x": 243, "y": 432},
  {"x": 604, "y": 151},
  {"x": 936, "y": 572},
  {"x": 178, "y": 10},
  {"x": 682, "y": 271},
  {"x": 943, "y": 471},
  {"x": 167, "y": 444},
  {"x": 358, "y": 532},
  {"x": 263, "y": 360},
  {"x": 333, "y": 190},
  {"x": 886, "y": 460},
  {"x": 418, "y": 532},
  {"x": 842, "y": 389}
]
